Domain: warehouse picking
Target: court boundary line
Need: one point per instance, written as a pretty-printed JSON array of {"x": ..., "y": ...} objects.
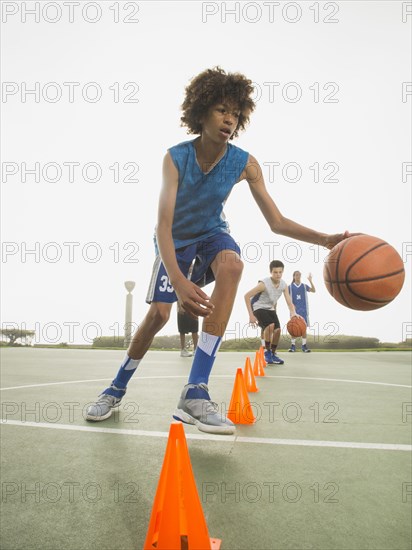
[
  {"x": 170, "y": 376},
  {"x": 223, "y": 438}
]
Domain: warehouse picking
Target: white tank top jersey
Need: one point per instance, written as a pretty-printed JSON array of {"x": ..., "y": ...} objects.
[{"x": 267, "y": 298}]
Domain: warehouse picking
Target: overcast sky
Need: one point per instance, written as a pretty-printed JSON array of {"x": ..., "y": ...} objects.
[{"x": 91, "y": 102}]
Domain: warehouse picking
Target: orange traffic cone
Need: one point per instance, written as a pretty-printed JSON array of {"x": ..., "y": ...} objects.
[
  {"x": 257, "y": 366},
  {"x": 177, "y": 519},
  {"x": 262, "y": 358},
  {"x": 240, "y": 409},
  {"x": 249, "y": 377},
  {"x": 262, "y": 355}
]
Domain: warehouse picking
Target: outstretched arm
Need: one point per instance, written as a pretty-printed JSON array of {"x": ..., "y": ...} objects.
[
  {"x": 312, "y": 286},
  {"x": 193, "y": 299},
  {"x": 290, "y": 304},
  {"x": 277, "y": 222}
]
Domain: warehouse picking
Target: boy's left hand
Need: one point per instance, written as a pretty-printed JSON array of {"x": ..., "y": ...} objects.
[{"x": 192, "y": 298}]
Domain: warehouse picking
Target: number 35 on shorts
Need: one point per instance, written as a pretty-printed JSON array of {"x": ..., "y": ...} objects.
[{"x": 165, "y": 286}]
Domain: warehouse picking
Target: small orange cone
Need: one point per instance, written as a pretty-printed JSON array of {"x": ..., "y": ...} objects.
[
  {"x": 240, "y": 409},
  {"x": 249, "y": 377},
  {"x": 262, "y": 360},
  {"x": 257, "y": 366},
  {"x": 177, "y": 519}
]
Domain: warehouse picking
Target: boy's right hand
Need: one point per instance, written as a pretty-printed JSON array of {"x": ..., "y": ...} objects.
[
  {"x": 194, "y": 301},
  {"x": 253, "y": 321}
]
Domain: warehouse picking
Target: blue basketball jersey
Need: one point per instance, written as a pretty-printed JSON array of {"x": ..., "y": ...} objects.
[
  {"x": 299, "y": 295},
  {"x": 201, "y": 197}
]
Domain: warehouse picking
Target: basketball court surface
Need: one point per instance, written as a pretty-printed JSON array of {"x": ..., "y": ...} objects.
[{"x": 327, "y": 464}]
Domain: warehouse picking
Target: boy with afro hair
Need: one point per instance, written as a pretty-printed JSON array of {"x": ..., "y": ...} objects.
[{"x": 191, "y": 232}]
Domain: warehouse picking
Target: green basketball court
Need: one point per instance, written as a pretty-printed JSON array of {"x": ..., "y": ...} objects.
[{"x": 327, "y": 464}]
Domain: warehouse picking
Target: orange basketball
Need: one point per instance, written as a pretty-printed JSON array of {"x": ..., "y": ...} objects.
[
  {"x": 296, "y": 327},
  {"x": 363, "y": 272}
]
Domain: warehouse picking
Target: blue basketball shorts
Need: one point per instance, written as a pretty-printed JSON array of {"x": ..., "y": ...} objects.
[{"x": 200, "y": 254}]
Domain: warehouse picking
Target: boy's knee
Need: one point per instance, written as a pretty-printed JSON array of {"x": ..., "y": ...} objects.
[
  {"x": 159, "y": 314},
  {"x": 231, "y": 266}
]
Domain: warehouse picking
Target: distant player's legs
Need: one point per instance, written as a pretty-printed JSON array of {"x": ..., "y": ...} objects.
[
  {"x": 195, "y": 338},
  {"x": 182, "y": 341},
  {"x": 155, "y": 319},
  {"x": 195, "y": 406},
  {"x": 305, "y": 348},
  {"x": 185, "y": 325},
  {"x": 183, "y": 351}
]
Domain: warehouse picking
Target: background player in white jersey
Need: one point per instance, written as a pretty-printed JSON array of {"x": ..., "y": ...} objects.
[
  {"x": 261, "y": 303},
  {"x": 299, "y": 293}
]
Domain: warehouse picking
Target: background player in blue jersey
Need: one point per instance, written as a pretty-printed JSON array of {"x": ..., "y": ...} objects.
[
  {"x": 261, "y": 303},
  {"x": 198, "y": 176},
  {"x": 299, "y": 293}
]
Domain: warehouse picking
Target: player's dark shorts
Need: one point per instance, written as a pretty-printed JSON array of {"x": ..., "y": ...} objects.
[
  {"x": 186, "y": 324},
  {"x": 266, "y": 317},
  {"x": 202, "y": 253}
]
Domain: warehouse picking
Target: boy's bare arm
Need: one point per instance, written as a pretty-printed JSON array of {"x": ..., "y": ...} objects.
[
  {"x": 252, "y": 292},
  {"x": 189, "y": 294},
  {"x": 166, "y": 208},
  {"x": 277, "y": 222},
  {"x": 290, "y": 304}
]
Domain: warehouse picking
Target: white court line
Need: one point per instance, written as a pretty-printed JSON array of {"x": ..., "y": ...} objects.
[
  {"x": 213, "y": 376},
  {"x": 54, "y": 384},
  {"x": 93, "y": 380},
  {"x": 211, "y": 437},
  {"x": 342, "y": 380}
]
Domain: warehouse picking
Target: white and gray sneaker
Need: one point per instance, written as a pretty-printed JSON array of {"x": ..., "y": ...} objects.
[
  {"x": 103, "y": 408},
  {"x": 195, "y": 407},
  {"x": 185, "y": 353}
]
